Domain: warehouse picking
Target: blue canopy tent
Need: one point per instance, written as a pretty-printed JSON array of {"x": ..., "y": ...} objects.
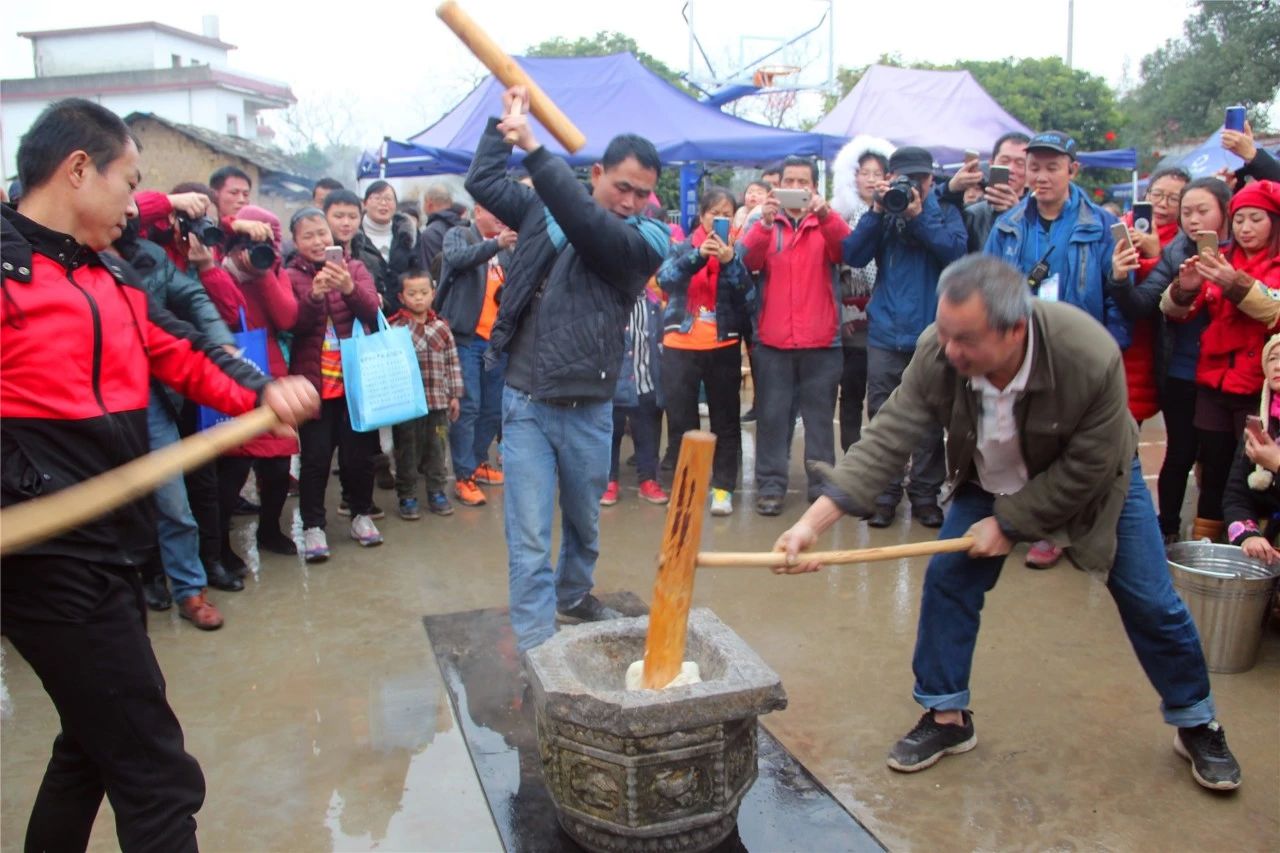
[
  {"x": 603, "y": 96},
  {"x": 1206, "y": 159}
]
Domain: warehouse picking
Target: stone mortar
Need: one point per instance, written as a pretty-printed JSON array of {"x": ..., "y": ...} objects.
[{"x": 648, "y": 770}]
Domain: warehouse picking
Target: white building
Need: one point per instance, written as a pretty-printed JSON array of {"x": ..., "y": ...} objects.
[{"x": 145, "y": 67}]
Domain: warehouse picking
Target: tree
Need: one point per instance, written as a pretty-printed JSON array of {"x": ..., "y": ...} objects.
[
  {"x": 604, "y": 43},
  {"x": 1229, "y": 54},
  {"x": 1043, "y": 94}
]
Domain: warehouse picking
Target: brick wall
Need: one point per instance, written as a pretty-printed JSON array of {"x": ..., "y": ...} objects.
[{"x": 169, "y": 158}]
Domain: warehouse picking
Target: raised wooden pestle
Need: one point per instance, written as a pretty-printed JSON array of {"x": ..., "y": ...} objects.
[
  {"x": 673, "y": 589},
  {"x": 36, "y": 520},
  {"x": 509, "y": 72},
  {"x": 768, "y": 559}
]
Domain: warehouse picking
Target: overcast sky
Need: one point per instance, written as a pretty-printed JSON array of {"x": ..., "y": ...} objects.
[{"x": 399, "y": 68}]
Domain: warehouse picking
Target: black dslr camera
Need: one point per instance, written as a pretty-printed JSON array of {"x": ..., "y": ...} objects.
[
  {"x": 206, "y": 231},
  {"x": 262, "y": 255},
  {"x": 897, "y": 198}
]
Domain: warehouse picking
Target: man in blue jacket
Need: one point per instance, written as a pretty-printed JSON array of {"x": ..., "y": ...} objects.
[
  {"x": 910, "y": 249},
  {"x": 1062, "y": 243},
  {"x": 580, "y": 263}
]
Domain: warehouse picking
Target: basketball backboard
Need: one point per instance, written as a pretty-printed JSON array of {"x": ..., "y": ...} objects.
[{"x": 753, "y": 42}]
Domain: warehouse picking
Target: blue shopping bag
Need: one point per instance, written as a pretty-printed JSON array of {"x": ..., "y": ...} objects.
[
  {"x": 252, "y": 344},
  {"x": 382, "y": 378}
]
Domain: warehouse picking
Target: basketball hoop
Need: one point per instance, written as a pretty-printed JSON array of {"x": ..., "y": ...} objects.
[{"x": 765, "y": 75}]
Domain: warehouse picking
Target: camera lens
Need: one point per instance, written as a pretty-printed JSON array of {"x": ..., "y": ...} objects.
[
  {"x": 262, "y": 256},
  {"x": 211, "y": 235}
]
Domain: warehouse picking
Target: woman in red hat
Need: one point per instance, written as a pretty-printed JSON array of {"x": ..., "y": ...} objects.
[{"x": 1239, "y": 290}]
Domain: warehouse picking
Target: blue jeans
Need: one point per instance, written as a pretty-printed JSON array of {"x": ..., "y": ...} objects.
[
  {"x": 479, "y": 411},
  {"x": 175, "y": 525},
  {"x": 544, "y": 446},
  {"x": 1157, "y": 622}
]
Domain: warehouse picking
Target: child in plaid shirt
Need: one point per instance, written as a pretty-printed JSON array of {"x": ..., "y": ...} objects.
[{"x": 422, "y": 443}]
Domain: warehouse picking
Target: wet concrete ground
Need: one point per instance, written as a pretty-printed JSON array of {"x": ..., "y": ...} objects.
[{"x": 319, "y": 715}]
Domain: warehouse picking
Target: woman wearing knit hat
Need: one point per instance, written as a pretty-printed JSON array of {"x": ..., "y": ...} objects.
[
  {"x": 1253, "y": 491},
  {"x": 1237, "y": 289}
]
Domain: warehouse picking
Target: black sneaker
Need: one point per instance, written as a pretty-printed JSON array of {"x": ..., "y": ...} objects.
[
  {"x": 275, "y": 542},
  {"x": 219, "y": 578},
  {"x": 769, "y": 505},
  {"x": 928, "y": 515},
  {"x": 883, "y": 516},
  {"x": 375, "y": 512},
  {"x": 157, "y": 594},
  {"x": 1212, "y": 763},
  {"x": 749, "y": 416},
  {"x": 245, "y": 507},
  {"x": 589, "y": 609},
  {"x": 924, "y": 746}
]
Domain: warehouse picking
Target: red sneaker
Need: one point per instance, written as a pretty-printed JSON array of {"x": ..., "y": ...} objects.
[
  {"x": 1043, "y": 555},
  {"x": 468, "y": 493},
  {"x": 199, "y": 611},
  {"x": 651, "y": 491},
  {"x": 610, "y": 496}
]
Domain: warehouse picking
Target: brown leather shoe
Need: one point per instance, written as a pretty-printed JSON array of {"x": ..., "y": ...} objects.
[{"x": 199, "y": 611}]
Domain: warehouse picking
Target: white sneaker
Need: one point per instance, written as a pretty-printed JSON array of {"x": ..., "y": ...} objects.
[
  {"x": 721, "y": 502},
  {"x": 364, "y": 531},
  {"x": 315, "y": 546}
]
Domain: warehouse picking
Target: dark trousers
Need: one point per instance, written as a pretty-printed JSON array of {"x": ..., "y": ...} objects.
[
  {"x": 928, "y": 460},
  {"x": 646, "y": 432},
  {"x": 785, "y": 378},
  {"x": 1217, "y": 452},
  {"x": 272, "y": 474},
  {"x": 82, "y": 627},
  {"x": 1179, "y": 405},
  {"x": 720, "y": 371},
  {"x": 422, "y": 447},
  {"x": 318, "y": 438},
  {"x": 853, "y": 392}
]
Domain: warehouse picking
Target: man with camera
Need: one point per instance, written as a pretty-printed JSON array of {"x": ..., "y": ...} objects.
[
  {"x": 1061, "y": 241},
  {"x": 1002, "y": 186},
  {"x": 795, "y": 245},
  {"x": 912, "y": 236}
]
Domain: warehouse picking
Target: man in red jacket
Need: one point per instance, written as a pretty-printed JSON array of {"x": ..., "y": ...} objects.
[
  {"x": 798, "y": 356},
  {"x": 80, "y": 345}
]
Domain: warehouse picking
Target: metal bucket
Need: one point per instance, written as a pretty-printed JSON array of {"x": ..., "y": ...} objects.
[{"x": 1229, "y": 596}]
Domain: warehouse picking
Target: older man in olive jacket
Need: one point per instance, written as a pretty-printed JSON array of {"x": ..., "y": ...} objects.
[{"x": 1040, "y": 446}]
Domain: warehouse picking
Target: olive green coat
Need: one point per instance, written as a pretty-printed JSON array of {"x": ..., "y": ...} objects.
[{"x": 1078, "y": 439}]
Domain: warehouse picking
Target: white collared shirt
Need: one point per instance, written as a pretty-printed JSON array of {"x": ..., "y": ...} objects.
[{"x": 998, "y": 456}]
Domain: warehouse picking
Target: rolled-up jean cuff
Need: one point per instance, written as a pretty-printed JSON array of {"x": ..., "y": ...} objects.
[
  {"x": 1192, "y": 715},
  {"x": 842, "y": 500},
  {"x": 949, "y": 702}
]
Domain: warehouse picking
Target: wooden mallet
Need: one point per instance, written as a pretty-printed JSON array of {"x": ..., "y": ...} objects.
[
  {"x": 679, "y": 559},
  {"x": 36, "y": 520},
  {"x": 509, "y": 73}
]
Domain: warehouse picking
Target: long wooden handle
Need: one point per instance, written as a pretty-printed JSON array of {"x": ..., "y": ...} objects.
[
  {"x": 33, "y": 521},
  {"x": 508, "y": 71},
  {"x": 727, "y": 559},
  {"x": 673, "y": 588}
]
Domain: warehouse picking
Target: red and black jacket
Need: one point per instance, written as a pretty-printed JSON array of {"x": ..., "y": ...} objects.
[{"x": 79, "y": 342}]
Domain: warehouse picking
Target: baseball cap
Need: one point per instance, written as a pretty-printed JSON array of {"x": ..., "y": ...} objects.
[
  {"x": 1055, "y": 141},
  {"x": 911, "y": 160}
]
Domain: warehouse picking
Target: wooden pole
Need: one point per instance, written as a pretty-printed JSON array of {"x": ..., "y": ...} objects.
[
  {"x": 509, "y": 72},
  {"x": 28, "y": 523},
  {"x": 767, "y": 559},
  {"x": 673, "y": 589}
]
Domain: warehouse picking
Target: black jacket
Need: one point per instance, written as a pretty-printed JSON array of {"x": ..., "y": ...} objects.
[
  {"x": 1143, "y": 301},
  {"x": 584, "y": 291},
  {"x": 181, "y": 295},
  {"x": 1240, "y": 502},
  {"x": 1263, "y": 167},
  {"x": 386, "y": 271},
  {"x": 431, "y": 240},
  {"x": 464, "y": 277}
]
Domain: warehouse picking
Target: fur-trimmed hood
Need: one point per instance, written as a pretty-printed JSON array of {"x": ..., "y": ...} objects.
[{"x": 845, "y": 197}]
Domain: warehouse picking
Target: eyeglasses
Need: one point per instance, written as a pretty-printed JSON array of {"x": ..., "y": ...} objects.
[{"x": 1160, "y": 197}]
